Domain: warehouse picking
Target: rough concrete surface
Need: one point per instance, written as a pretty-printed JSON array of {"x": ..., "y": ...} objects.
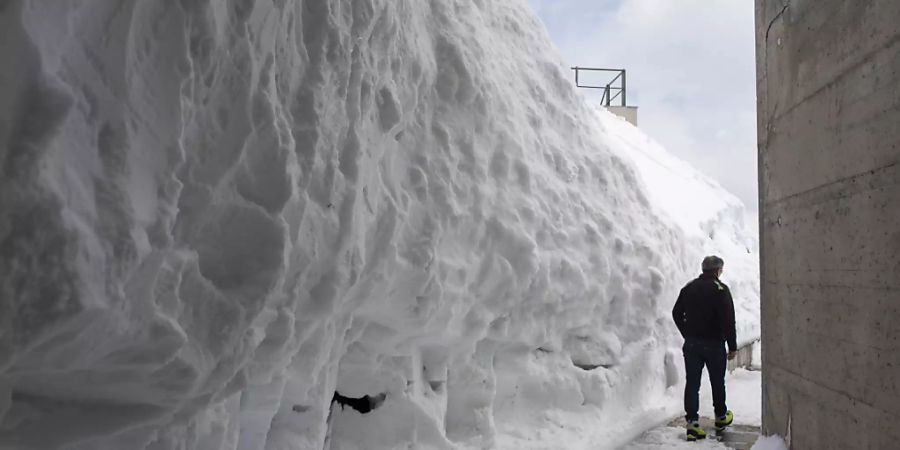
[
  {"x": 829, "y": 167},
  {"x": 629, "y": 113}
]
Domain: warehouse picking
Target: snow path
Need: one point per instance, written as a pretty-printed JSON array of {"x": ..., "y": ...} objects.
[{"x": 744, "y": 394}]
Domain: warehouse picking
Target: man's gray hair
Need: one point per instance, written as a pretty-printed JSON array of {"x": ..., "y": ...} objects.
[{"x": 712, "y": 263}]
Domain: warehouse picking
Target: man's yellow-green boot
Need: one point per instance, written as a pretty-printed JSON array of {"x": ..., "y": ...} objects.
[
  {"x": 724, "y": 421},
  {"x": 695, "y": 431}
]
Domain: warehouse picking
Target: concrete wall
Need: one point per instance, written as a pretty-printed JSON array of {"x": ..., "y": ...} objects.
[
  {"x": 629, "y": 113},
  {"x": 829, "y": 167}
]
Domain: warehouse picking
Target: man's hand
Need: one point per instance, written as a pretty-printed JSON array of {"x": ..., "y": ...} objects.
[{"x": 731, "y": 355}]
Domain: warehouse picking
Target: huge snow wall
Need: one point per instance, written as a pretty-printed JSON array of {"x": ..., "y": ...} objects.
[{"x": 339, "y": 224}]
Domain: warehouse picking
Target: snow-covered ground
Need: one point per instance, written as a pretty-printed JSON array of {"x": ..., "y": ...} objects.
[
  {"x": 743, "y": 389},
  {"x": 672, "y": 438},
  {"x": 744, "y": 398},
  {"x": 770, "y": 443},
  {"x": 221, "y": 215}
]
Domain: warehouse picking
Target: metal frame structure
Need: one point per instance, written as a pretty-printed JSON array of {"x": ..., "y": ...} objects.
[{"x": 608, "y": 88}]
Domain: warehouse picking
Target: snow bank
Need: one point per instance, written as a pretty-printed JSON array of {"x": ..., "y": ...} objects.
[
  {"x": 713, "y": 220},
  {"x": 306, "y": 224}
]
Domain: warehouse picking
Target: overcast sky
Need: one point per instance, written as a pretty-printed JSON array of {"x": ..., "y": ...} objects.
[{"x": 691, "y": 72}]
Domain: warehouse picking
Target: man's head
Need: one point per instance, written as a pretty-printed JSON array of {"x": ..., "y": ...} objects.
[{"x": 713, "y": 265}]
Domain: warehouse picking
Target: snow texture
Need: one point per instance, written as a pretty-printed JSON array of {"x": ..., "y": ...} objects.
[
  {"x": 282, "y": 224},
  {"x": 773, "y": 442},
  {"x": 714, "y": 220}
]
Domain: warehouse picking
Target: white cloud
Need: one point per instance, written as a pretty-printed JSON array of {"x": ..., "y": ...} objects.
[{"x": 691, "y": 72}]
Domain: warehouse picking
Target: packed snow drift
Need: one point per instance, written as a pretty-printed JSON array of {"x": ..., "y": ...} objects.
[
  {"x": 238, "y": 224},
  {"x": 713, "y": 220}
]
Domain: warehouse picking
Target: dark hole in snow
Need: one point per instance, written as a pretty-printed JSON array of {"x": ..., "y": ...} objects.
[
  {"x": 544, "y": 350},
  {"x": 436, "y": 385},
  {"x": 300, "y": 408},
  {"x": 584, "y": 366},
  {"x": 363, "y": 405}
]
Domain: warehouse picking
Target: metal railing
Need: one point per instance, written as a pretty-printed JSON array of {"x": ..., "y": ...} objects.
[
  {"x": 744, "y": 357},
  {"x": 609, "y": 88}
]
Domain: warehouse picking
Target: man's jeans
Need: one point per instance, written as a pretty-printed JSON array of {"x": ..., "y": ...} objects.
[{"x": 697, "y": 353}]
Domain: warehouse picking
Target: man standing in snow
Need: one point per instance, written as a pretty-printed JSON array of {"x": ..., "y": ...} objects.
[{"x": 704, "y": 314}]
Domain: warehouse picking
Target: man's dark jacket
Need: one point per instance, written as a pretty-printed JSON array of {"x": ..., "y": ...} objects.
[{"x": 705, "y": 310}]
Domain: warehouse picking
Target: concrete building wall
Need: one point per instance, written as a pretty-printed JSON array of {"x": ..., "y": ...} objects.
[
  {"x": 828, "y": 77},
  {"x": 629, "y": 113}
]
